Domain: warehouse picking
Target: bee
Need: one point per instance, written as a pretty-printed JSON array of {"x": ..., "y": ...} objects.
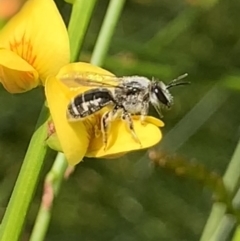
[{"x": 124, "y": 96}]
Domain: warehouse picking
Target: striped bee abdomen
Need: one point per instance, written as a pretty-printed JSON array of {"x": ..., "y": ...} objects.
[{"x": 89, "y": 103}]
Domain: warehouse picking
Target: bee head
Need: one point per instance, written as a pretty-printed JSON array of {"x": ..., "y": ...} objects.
[{"x": 160, "y": 95}]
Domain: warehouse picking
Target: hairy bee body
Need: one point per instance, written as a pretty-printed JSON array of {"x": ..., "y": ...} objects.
[{"x": 125, "y": 96}]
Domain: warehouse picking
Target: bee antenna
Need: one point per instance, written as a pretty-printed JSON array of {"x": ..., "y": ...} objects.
[{"x": 176, "y": 83}]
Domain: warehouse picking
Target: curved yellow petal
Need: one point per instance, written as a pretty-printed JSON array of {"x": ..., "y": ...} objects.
[
  {"x": 38, "y": 35},
  {"x": 74, "y": 137},
  {"x": 121, "y": 141},
  {"x": 17, "y": 79}
]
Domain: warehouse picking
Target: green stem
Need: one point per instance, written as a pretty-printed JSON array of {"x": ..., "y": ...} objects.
[
  {"x": 230, "y": 179},
  {"x": 236, "y": 236},
  {"x": 218, "y": 211},
  {"x": 27, "y": 181},
  {"x": 106, "y": 32},
  {"x": 80, "y": 18},
  {"x": 232, "y": 174},
  {"x": 52, "y": 186},
  {"x": 224, "y": 229}
]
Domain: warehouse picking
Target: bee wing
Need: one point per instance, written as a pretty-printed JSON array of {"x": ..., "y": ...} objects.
[{"x": 76, "y": 79}]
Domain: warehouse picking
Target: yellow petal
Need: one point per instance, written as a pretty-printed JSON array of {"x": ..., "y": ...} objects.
[
  {"x": 21, "y": 78},
  {"x": 38, "y": 35},
  {"x": 74, "y": 137},
  {"x": 121, "y": 141}
]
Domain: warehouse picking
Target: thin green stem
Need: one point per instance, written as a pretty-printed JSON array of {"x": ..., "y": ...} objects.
[
  {"x": 230, "y": 179},
  {"x": 106, "y": 32},
  {"x": 236, "y": 200},
  {"x": 224, "y": 229},
  {"x": 232, "y": 174},
  {"x": 236, "y": 236},
  {"x": 80, "y": 18},
  {"x": 27, "y": 181},
  {"x": 51, "y": 189}
]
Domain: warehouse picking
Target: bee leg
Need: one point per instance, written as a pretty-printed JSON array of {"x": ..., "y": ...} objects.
[
  {"x": 105, "y": 121},
  {"x": 142, "y": 119},
  {"x": 144, "y": 112},
  {"x": 128, "y": 119}
]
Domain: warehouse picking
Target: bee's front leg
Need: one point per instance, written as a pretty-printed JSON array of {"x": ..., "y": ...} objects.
[{"x": 144, "y": 112}]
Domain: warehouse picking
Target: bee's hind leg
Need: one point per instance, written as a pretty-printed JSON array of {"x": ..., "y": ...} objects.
[
  {"x": 106, "y": 120},
  {"x": 128, "y": 119}
]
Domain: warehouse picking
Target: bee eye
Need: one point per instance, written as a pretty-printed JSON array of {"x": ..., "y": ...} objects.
[{"x": 161, "y": 96}]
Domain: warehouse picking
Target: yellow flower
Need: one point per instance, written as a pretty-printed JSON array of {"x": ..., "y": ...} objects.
[
  {"x": 83, "y": 138},
  {"x": 33, "y": 45},
  {"x": 9, "y": 7}
]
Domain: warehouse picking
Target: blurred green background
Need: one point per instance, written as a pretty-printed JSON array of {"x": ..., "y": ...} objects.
[{"x": 129, "y": 199}]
